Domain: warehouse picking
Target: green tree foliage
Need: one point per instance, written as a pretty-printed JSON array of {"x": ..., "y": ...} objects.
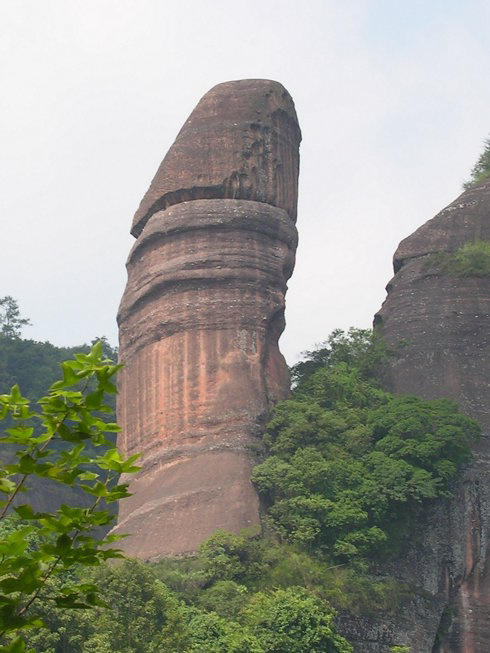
[
  {"x": 11, "y": 322},
  {"x": 481, "y": 169},
  {"x": 210, "y": 633},
  {"x": 34, "y": 366},
  {"x": 472, "y": 259},
  {"x": 359, "y": 348},
  {"x": 349, "y": 462},
  {"x": 293, "y": 621},
  {"x": 63, "y": 538},
  {"x": 144, "y": 616},
  {"x": 139, "y": 615},
  {"x": 231, "y": 557},
  {"x": 231, "y": 568}
]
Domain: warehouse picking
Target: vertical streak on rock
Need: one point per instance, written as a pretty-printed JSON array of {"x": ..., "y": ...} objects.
[
  {"x": 437, "y": 325},
  {"x": 201, "y": 317}
]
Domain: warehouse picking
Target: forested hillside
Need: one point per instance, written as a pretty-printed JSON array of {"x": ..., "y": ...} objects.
[{"x": 32, "y": 365}]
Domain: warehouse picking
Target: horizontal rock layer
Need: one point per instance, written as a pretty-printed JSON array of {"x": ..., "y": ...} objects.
[
  {"x": 199, "y": 325},
  {"x": 240, "y": 142},
  {"x": 437, "y": 326}
]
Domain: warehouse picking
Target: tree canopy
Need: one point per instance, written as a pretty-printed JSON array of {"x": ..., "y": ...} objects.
[
  {"x": 11, "y": 323},
  {"x": 348, "y": 461},
  {"x": 144, "y": 616},
  {"x": 481, "y": 169}
]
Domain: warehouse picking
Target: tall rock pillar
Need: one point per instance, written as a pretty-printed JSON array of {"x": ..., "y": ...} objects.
[
  {"x": 201, "y": 316},
  {"x": 436, "y": 321}
]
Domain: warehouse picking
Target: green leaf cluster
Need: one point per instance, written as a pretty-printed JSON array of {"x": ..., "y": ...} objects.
[
  {"x": 47, "y": 543},
  {"x": 35, "y": 366}
]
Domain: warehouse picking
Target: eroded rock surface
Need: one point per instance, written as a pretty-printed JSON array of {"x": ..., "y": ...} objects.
[
  {"x": 201, "y": 316},
  {"x": 240, "y": 142},
  {"x": 437, "y": 324}
]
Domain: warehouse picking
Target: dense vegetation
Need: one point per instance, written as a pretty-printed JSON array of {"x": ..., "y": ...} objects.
[
  {"x": 348, "y": 467},
  {"x": 350, "y": 463},
  {"x": 145, "y": 616}
]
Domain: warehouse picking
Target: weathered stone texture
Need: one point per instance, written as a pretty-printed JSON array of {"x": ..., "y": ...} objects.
[
  {"x": 240, "y": 142},
  {"x": 437, "y": 325},
  {"x": 201, "y": 317}
]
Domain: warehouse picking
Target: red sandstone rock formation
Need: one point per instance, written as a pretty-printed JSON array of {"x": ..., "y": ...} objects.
[
  {"x": 240, "y": 142},
  {"x": 437, "y": 323},
  {"x": 201, "y": 317}
]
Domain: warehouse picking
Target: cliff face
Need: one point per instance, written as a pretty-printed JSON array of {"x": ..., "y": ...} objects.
[
  {"x": 201, "y": 316},
  {"x": 436, "y": 322}
]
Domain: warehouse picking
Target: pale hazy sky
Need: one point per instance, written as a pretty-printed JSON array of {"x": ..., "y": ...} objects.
[{"x": 392, "y": 96}]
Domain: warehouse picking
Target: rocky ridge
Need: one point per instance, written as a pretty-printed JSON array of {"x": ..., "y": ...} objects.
[{"x": 436, "y": 323}]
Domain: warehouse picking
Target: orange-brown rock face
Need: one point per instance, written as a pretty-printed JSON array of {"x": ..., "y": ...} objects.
[
  {"x": 437, "y": 323},
  {"x": 240, "y": 142},
  {"x": 201, "y": 316}
]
